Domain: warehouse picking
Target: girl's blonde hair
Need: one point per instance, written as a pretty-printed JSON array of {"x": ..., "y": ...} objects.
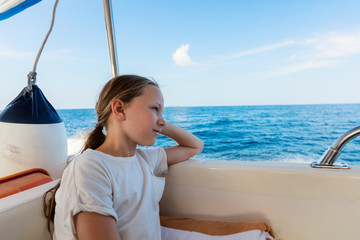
[{"x": 125, "y": 88}]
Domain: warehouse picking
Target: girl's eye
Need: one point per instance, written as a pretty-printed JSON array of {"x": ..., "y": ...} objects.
[{"x": 156, "y": 109}]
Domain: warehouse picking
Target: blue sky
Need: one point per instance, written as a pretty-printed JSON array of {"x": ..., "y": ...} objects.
[{"x": 202, "y": 53}]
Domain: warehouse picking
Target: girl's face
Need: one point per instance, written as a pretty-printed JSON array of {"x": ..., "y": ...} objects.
[{"x": 144, "y": 116}]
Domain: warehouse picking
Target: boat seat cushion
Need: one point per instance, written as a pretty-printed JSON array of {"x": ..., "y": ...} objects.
[
  {"x": 23, "y": 181},
  {"x": 176, "y": 228}
]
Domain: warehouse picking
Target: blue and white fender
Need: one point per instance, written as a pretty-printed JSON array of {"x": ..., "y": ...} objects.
[{"x": 32, "y": 135}]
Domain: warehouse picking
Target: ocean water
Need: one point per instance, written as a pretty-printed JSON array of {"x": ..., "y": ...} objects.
[{"x": 282, "y": 133}]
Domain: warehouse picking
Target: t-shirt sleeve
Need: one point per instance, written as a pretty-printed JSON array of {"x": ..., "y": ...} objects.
[
  {"x": 93, "y": 188},
  {"x": 156, "y": 157}
]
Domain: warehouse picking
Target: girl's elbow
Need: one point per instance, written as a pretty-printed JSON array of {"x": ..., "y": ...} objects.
[{"x": 200, "y": 147}]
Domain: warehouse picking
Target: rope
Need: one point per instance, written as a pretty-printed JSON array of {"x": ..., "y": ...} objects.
[{"x": 32, "y": 75}]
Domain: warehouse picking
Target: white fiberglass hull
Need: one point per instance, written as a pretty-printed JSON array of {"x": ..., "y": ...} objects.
[{"x": 297, "y": 201}]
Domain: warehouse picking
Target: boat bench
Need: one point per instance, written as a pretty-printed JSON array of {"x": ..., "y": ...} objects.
[{"x": 23, "y": 181}]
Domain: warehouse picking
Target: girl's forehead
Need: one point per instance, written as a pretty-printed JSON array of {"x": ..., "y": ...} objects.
[
  {"x": 153, "y": 91},
  {"x": 152, "y": 94}
]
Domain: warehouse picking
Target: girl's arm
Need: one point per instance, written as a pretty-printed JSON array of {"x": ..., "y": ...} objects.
[
  {"x": 91, "y": 225},
  {"x": 189, "y": 145}
]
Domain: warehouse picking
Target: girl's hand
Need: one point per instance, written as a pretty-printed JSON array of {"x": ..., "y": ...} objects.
[{"x": 189, "y": 144}]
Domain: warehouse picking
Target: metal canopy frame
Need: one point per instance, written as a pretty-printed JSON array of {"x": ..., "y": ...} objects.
[{"x": 110, "y": 37}]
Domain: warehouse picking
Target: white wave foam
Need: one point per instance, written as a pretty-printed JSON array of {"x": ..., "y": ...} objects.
[
  {"x": 295, "y": 158},
  {"x": 76, "y": 143}
]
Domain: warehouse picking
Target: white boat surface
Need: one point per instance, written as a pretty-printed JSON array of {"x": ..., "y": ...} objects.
[{"x": 297, "y": 201}]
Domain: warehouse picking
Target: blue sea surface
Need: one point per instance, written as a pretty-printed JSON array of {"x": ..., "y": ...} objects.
[{"x": 283, "y": 133}]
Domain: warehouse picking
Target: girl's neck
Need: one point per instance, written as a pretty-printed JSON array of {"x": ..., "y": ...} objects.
[{"x": 117, "y": 148}]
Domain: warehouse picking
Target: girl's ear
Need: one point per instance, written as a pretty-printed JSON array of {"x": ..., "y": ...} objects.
[{"x": 117, "y": 107}]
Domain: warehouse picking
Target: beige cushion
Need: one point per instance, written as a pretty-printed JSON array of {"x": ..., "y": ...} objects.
[{"x": 215, "y": 228}]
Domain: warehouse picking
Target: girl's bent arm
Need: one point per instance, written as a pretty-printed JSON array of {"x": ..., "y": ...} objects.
[
  {"x": 90, "y": 225},
  {"x": 189, "y": 144}
]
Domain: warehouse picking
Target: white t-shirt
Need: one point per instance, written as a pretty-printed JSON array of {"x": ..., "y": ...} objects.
[{"x": 128, "y": 189}]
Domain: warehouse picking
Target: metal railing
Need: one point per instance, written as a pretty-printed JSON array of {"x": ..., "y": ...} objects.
[{"x": 330, "y": 156}]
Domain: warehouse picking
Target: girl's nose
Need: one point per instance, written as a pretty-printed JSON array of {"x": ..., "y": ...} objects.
[{"x": 161, "y": 122}]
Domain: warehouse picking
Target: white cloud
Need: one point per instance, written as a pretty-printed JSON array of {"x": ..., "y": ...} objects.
[
  {"x": 331, "y": 45},
  {"x": 11, "y": 53},
  {"x": 262, "y": 49},
  {"x": 304, "y": 65},
  {"x": 326, "y": 50},
  {"x": 182, "y": 58},
  {"x": 63, "y": 54},
  {"x": 322, "y": 51}
]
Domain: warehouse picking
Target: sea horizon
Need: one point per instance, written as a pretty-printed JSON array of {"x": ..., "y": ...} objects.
[
  {"x": 248, "y": 105},
  {"x": 280, "y": 133}
]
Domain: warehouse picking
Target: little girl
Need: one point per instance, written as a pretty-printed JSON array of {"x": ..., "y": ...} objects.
[{"x": 112, "y": 190}]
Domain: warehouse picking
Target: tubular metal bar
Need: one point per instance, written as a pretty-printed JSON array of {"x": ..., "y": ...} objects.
[
  {"x": 110, "y": 37},
  {"x": 329, "y": 157},
  {"x": 344, "y": 139},
  {"x": 333, "y": 152}
]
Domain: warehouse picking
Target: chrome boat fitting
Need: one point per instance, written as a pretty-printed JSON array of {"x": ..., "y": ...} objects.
[{"x": 329, "y": 157}]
